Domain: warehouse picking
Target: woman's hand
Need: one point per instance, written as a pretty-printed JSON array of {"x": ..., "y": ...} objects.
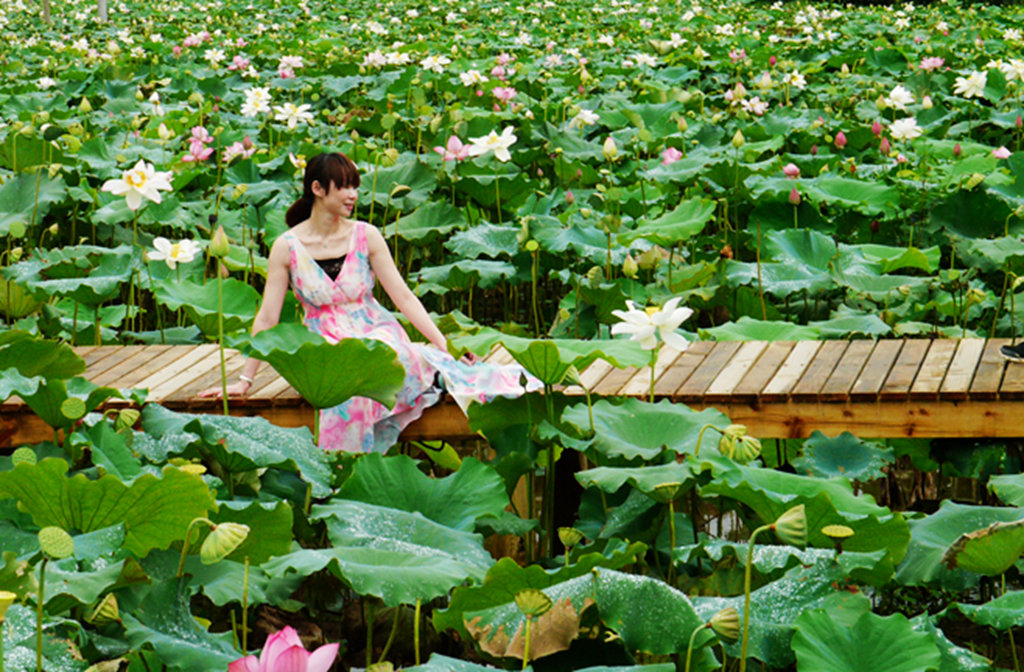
[
  {"x": 469, "y": 358},
  {"x": 234, "y": 390}
]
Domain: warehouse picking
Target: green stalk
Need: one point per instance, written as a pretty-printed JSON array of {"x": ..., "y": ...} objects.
[
  {"x": 549, "y": 480},
  {"x": 373, "y": 194},
  {"x": 415, "y": 632},
  {"x": 220, "y": 334},
  {"x": 671, "y": 551},
  {"x": 39, "y": 615},
  {"x": 654, "y": 360},
  {"x": 526, "y": 644},
  {"x": 689, "y": 647},
  {"x": 534, "y": 271},
  {"x": 1, "y": 645},
  {"x": 497, "y": 196},
  {"x": 245, "y": 606},
  {"x": 184, "y": 544},
  {"x": 696, "y": 452},
  {"x": 746, "y": 597},
  {"x": 391, "y": 637}
]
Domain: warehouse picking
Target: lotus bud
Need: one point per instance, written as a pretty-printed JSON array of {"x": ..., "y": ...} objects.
[
  {"x": 7, "y": 598},
  {"x": 840, "y": 139},
  {"x": 16, "y": 254},
  {"x": 630, "y": 267},
  {"x": 683, "y": 126},
  {"x": 1018, "y": 122},
  {"x": 772, "y": 61},
  {"x": 56, "y": 542},
  {"x": 106, "y": 611},
  {"x": 726, "y": 624},
  {"x": 219, "y": 245},
  {"x": 569, "y": 536},
  {"x": 85, "y": 107},
  {"x": 794, "y": 197},
  {"x": 222, "y": 542},
  {"x": 791, "y": 527},
  {"x": 926, "y": 102},
  {"x": 884, "y": 147},
  {"x": 532, "y": 602},
  {"x": 570, "y": 198},
  {"x": 957, "y": 151},
  {"x": 791, "y": 171},
  {"x": 876, "y": 128},
  {"x": 23, "y": 455},
  {"x": 609, "y": 149},
  {"x": 738, "y": 140},
  {"x": 845, "y": 69},
  {"x": 650, "y": 259}
]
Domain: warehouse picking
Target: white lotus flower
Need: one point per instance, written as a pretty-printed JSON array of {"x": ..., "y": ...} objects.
[
  {"x": 972, "y": 86},
  {"x": 435, "y": 63},
  {"x": 584, "y": 118},
  {"x": 292, "y": 114},
  {"x": 492, "y": 142},
  {"x": 905, "y": 129},
  {"x": 173, "y": 254},
  {"x": 142, "y": 181},
  {"x": 649, "y": 326},
  {"x": 899, "y": 98},
  {"x": 257, "y": 101}
]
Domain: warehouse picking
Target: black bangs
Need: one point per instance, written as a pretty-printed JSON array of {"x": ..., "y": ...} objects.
[{"x": 337, "y": 169}]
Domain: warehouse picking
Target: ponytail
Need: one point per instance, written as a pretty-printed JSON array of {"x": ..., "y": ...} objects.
[{"x": 299, "y": 211}]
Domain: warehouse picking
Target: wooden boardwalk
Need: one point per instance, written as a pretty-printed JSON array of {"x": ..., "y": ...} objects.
[{"x": 885, "y": 388}]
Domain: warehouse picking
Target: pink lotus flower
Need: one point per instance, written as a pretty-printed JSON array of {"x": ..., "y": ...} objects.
[
  {"x": 286, "y": 73},
  {"x": 455, "y": 150},
  {"x": 197, "y": 151},
  {"x": 505, "y": 58},
  {"x": 504, "y": 93},
  {"x": 1001, "y": 153},
  {"x": 284, "y": 652},
  {"x": 840, "y": 139},
  {"x": 1019, "y": 122},
  {"x": 176, "y": 50},
  {"x": 931, "y": 63},
  {"x": 239, "y": 63},
  {"x": 791, "y": 171},
  {"x": 670, "y": 156},
  {"x": 237, "y": 149},
  {"x": 957, "y": 151},
  {"x": 498, "y": 71},
  {"x": 201, "y": 135},
  {"x": 736, "y": 55}
]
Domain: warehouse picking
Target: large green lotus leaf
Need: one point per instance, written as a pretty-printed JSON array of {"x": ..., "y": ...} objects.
[
  {"x": 222, "y": 582},
  {"x": 68, "y": 586},
  {"x": 240, "y": 444},
  {"x": 199, "y": 302},
  {"x": 46, "y": 400},
  {"x": 646, "y": 613},
  {"x": 684, "y": 222},
  {"x": 270, "y": 528},
  {"x": 932, "y": 535},
  {"x": 506, "y": 578},
  {"x": 85, "y": 273},
  {"x": 989, "y": 254},
  {"x": 846, "y": 326},
  {"x": 1009, "y": 488},
  {"x": 33, "y": 356},
  {"x": 154, "y": 510},
  {"x": 683, "y": 171},
  {"x": 485, "y": 240},
  {"x": 889, "y": 258},
  {"x": 19, "y": 199},
  {"x": 164, "y": 623},
  {"x": 644, "y": 479},
  {"x": 868, "y": 198},
  {"x": 751, "y": 329},
  {"x": 378, "y": 182},
  {"x": 843, "y": 456},
  {"x": 458, "y": 500},
  {"x": 828, "y": 502},
  {"x": 326, "y": 374},
  {"x": 16, "y": 575},
  {"x": 801, "y": 247},
  {"x": 553, "y": 357},
  {"x": 59, "y": 653},
  {"x": 108, "y": 450},
  {"x": 1002, "y": 613},
  {"x": 585, "y": 242},
  {"x": 774, "y": 609},
  {"x": 776, "y": 278},
  {"x": 482, "y": 273},
  {"x": 427, "y": 222},
  {"x": 641, "y": 429},
  {"x": 870, "y": 644},
  {"x": 954, "y": 658},
  {"x": 12, "y": 382},
  {"x": 991, "y": 550}
]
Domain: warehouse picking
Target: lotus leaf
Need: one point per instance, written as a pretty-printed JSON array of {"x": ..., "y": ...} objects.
[
  {"x": 439, "y": 663},
  {"x": 483, "y": 273},
  {"x": 1009, "y": 488},
  {"x": 427, "y": 222},
  {"x": 19, "y": 198},
  {"x": 485, "y": 240},
  {"x": 86, "y": 273},
  {"x": 954, "y": 658},
  {"x": 270, "y": 528},
  {"x": 68, "y": 586},
  {"x": 1002, "y": 613},
  {"x": 843, "y": 456},
  {"x": 200, "y": 303},
  {"x": 684, "y": 222},
  {"x": 868, "y": 198},
  {"x": 154, "y": 510},
  {"x": 644, "y": 479},
  {"x": 37, "y": 357},
  {"x": 221, "y": 582},
  {"x": 991, "y": 550},
  {"x": 872, "y": 643}
]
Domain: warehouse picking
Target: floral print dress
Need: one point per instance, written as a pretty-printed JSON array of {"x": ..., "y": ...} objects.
[{"x": 344, "y": 307}]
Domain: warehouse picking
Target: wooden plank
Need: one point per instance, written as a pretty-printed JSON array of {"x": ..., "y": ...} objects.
[
  {"x": 590, "y": 376},
  {"x": 669, "y": 384},
  {"x": 818, "y": 371},
  {"x": 961, "y": 369},
  {"x": 183, "y": 370},
  {"x": 839, "y": 383},
  {"x": 933, "y": 369},
  {"x": 138, "y": 355},
  {"x": 1012, "y": 386},
  {"x": 872, "y": 377},
  {"x": 739, "y": 365},
  {"x": 897, "y": 384},
  {"x": 613, "y": 382},
  {"x": 990, "y": 371},
  {"x": 706, "y": 372},
  {"x": 115, "y": 356},
  {"x": 767, "y": 366},
  {"x": 156, "y": 366},
  {"x": 206, "y": 373},
  {"x": 789, "y": 374},
  {"x": 640, "y": 384},
  {"x": 97, "y": 353}
]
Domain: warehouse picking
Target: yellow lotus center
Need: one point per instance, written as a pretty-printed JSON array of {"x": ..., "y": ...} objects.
[
  {"x": 652, "y": 310},
  {"x": 176, "y": 250},
  {"x": 135, "y": 178}
]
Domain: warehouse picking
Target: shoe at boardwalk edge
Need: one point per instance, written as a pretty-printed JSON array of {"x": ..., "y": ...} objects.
[{"x": 1013, "y": 353}]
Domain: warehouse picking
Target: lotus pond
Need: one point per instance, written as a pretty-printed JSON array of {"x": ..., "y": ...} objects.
[{"x": 788, "y": 171}]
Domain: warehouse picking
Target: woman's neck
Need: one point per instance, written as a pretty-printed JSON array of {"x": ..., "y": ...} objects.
[{"x": 323, "y": 225}]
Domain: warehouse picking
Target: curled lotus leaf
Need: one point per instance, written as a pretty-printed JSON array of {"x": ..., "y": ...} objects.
[{"x": 990, "y": 551}]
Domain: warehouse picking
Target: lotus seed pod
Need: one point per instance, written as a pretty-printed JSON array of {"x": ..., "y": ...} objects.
[
  {"x": 194, "y": 469},
  {"x": 747, "y": 448},
  {"x": 569, "y": 536},
  {"x": 222, "y": 541},
  {"x": 106, "y": 611},
  {"x": 726, "y": 624},
  {"x": 55, "y": 542},
  {"x": 663, "y": 493},
  {"x": 85, "y": 107},
  {"x": 837, "y": 532},
  {"x": 532, "y": 602},
  {"x": 531, "y": 246},
  {"x": 73, "y": 408},
  {"x": 23, "y": 455},
  {"x": 7, "y": 598},
  {"x": 219, "y": 245},
  {"x": 791, "y": 527}
]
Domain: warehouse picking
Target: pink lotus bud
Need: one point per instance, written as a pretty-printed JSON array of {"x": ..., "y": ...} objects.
[
  {"x": 956, "y": 150},
  {"x": 247, "y": 142},
  {"x": 1001, "y": 153},
  {"x": 814, "y": 150},
  {"x": 772, "y": 60},
  {"x": 791, "y": 171},
  {"x": 794, "y": 197},
  {"x": 177, "y": 50},
  {"x": 670, "y": 155},
  {"x": 840, "y": 139},
  {"x": 570, "y": 198},
  {"x": 1019, "y": 123},
  {"x": 884, "y": 147},
  {"x": 875, "y": 226},
  {"x": 498, "y": 71},
  {"x": 876, "y": 128},
  {"x": 580, "y": 89},
  {"x": 853, "y": 168}
]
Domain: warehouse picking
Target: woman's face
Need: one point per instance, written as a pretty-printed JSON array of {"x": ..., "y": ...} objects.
[{"x": 339, "y": 201}]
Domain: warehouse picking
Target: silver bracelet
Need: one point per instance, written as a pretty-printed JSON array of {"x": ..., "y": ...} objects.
[{"x": 246, "y": 379}]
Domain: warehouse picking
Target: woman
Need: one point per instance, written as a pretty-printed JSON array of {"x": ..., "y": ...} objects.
[{"x": 332, "y": 262}]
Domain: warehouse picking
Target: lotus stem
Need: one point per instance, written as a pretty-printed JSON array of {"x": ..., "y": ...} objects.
[
  {"x": 696, "y": 452},
  {"x": 526, "y": 644},
  {"x": 373, "y": 199},
  {"x": 534, "y": 271},
  {"x": 415, "y": 632},
  {"x": 1013, "y": 650},
  {"x": 746, "y": 597},
  {"x": 654, "y": 361},
  {"x": 391, "y": 637},
  {"x": 1, "y": 645},
  {"x": 184, "y": 544},
  {"x": 220, "y": 334},
  {"x": 724, "y": 657},
  {"x": 497, "y": 196},
  {"x": 245, "y": 607},
  {"x": 39, "y": 614},
  {"x": 671, "y": 553},
  {"x": 689, "y": 647}
]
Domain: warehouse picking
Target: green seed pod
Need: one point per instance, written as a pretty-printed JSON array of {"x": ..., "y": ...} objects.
[
  {"x": 569, "y": 536},
  {"x": 791, "y": 527},
  {"x": 55, "y": 542},
  {"x": 73, "y": 408},
  {"x": 219, "y": 245},
  {"x": 222, "y": 541},
  {"x": 532, "y": 602},
  {"x": 106, "y": 611},
  {"x": 726, "y": 624},
  {"x": 23, "y": 455},
  {"x": 7, "y": 598},
  {"x": 126, "y": 418},
  {"x": 663, "y": 493}
]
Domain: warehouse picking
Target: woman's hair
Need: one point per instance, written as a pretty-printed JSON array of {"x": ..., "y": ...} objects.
[{"x": 331, "y": 170}]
